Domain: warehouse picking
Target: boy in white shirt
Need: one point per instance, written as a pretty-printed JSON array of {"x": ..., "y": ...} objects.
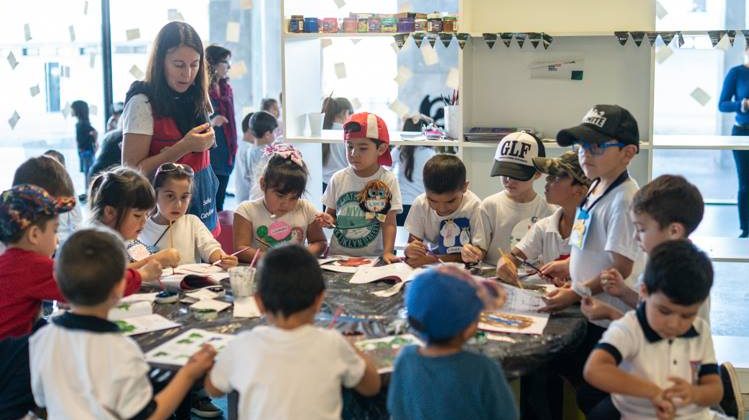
[
  {"x": 243, "y": 175},
  {"x": 82, "y": 367},
  {"x": 445, "y": 217},
  {"x": 362, "y": 200},
  {"x": 548, "y": 239},
  {"x": 509, "y": 214},
  {"x": 263, "y": 126},
  {"x": 290, "y": 369},
  {"x": 659, "y": 361}
]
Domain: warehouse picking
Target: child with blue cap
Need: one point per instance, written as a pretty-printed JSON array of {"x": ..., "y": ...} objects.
[{"x": 441, "y": 380}]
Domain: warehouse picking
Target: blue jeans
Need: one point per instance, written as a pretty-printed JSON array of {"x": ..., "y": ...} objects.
[{"x": 741, "y": 157}]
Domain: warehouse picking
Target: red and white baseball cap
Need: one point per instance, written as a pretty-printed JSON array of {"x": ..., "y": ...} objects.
[{"x": 370, "y": 126}]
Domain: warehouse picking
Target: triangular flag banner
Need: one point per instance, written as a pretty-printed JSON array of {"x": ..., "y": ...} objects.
[
  {"x": 462, "y": 37},
  {"x": 446, "y": 38},
  {"x": 535, "y": 38},
  {"x": 520, "y": 38},
  {"x": 667, "y": 37},
  {"x": 490, "y": 39},
  {"x": 622, "y": 37},
  {"x": 547, "y": 40},
  {"x": 418, "y": 38},
  {"x": 731, "y": 37},
  {"x": 638, "y": 36},
  {"x": 679, "y": 39},
  {"x": 652, "y": 38},
  {"x": 506, "y": 38},
  {"x": 400, "y": 40},
  {"x": 432, "y": 40},
  {"x": 715, "y": 37}
]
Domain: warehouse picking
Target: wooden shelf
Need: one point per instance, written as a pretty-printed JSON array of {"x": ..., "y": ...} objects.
[{"x": 321, "y": 35}]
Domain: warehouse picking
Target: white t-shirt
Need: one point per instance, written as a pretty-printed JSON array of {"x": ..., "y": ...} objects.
[
  {"x": 610, "y": 230},
  {"x": 288, "y": 374},
  {"x": 82, "y": 367},
  {"x": 355, "y": 234},
  {"x": 137, "y": 116},
  {"x": 446, "y": 234},
  {"x": 641, "y": 352},
  {"x": 336, "y": 159},
  {"x": 506, "y": 222},
  {"x": 69, "y": 223},
  {"x": 189, "y": 236},
  {"x": 249, "y": 160},
  {"x": 411, "y": 189},
  {"x": 543, "y": 243},
  {"x": 268, "y": 232}
]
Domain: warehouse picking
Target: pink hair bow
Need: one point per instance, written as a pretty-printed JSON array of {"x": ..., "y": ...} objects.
[{"x": 286, "y": 151}]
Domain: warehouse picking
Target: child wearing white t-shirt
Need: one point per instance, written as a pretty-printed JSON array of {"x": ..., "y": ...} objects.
[
  {"x": 280, "y": 217},
  {"x": 548, "y": 239},
  {"x": 445, "y": 217},
  {"x": 362, "y": 200},
  {"x": 290, "y": 369},
  {"x": 508, "y": 215},
  {"x": 172, "y": 228}
]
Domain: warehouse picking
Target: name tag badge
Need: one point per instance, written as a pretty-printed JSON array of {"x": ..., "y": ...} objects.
[{"x": 580, "y": 228}]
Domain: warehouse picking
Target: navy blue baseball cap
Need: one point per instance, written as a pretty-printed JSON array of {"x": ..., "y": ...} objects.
[{"x": 601, "y": 124}]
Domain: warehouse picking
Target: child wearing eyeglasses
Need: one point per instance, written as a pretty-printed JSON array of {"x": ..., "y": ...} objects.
[{"x": 171, "y": 227}]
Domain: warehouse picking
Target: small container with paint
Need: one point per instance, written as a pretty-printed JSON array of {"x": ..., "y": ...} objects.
[
  {"x": 296, "y": 24},
  {"x": 406, "y": 24},
  {"x": 449, "y": 24},
  {"x": 330, "y": 25},
  {"x": 362, "y": 23},
  {"x": 349, "y": 24},
  {"x": 388, "y": 24},
  {"x": 374, "y": 24},
  {"x": 311, "y": 25},
  {"x": 434, "y": 23},
  {"x": 420, "y": 25}
]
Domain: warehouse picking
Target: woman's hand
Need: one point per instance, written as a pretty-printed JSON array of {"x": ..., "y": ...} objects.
[
  {"x": 199, "y": 139},
  {"x": 219, "y": 120}
]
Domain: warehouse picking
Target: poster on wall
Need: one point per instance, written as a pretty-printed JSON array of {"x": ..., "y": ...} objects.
[{"x": 567, "y": 68}]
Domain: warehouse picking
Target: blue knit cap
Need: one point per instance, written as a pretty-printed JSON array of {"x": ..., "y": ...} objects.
[{"x": 440, "y": 304}]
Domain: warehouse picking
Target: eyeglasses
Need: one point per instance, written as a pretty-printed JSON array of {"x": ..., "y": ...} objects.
[
  {"x": 175, "y": 167},
  {"x": 595, "y": 149}
]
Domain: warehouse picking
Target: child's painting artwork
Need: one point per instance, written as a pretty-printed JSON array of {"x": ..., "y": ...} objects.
[
  {"x": 178, "y": 350},
  {"x": 144, "y": 324},
  {"x": 340, "y": 264},
  {"x": 520, "y": 323},
  {"x": 383, "y": 351}
]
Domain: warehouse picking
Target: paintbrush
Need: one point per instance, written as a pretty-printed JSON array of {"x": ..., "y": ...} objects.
[{"x": 217, "y": 262}]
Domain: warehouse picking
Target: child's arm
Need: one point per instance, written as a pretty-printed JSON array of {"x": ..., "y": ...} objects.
[
  {"x": 316, "y": 241},
  {"x": 708, "y": 392},
  {"x": 369, "y": 385},
  {"x": 389, "y": 230},
  {"x": 602, "y": 372},
  {"x": 507, "y": 271},
  {"x": 170, "y": 397},
  {"x": 612, "y": 283},
  {"x": 416, "y": 252},
  {"x": 594, "y": 309},
  {"x": 243, "y": 238}
]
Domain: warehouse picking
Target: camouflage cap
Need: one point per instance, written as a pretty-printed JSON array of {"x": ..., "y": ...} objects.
[{"x": 567, "y": 163}]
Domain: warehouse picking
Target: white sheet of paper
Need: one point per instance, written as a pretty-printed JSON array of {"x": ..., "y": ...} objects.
[
  {"x": 12, "y": 60},
  {"x": 140, "y": 297},
  {"x": 13, "y": 120},
  {"x": 202, "y": 294},
  {"x": 245, "y": 307},
  {"x": 34, "y": 90},
  {"x": 145, "y": 324},
  {"x": 340, "y": 3},
  {"x": 323, "y": 261},
  {"x": 699, "y": 95},
  {"x": 232, "y": 31},
  {"x": 136, "y": 72},
  {"x": 26, "y": 32},
  {"x": 210, "y": 304},
  {"x": 453, "y": 79},
  {"x": 326, "y": 42},
  {"x": 338, "y": 268},
  {"x": 340, "y": 70},
  {"x": 521, "y": 300},
  {"x": 132, "y": 34},
  {"x": 400, "y": 270},
  {"x": 213, "y": 272},
  {"x": 174, "y": 14},
  {"x": 245, "y": 4},
  {"x": 663, "y": 54},
  {"x": 125, "y": 309},
  {"x": 404, "y": 75},
  {"x": 660, "y": 11},
  {"x": 179, "y": 349},
  {"x": 429, "y": 54},
  {"x": 238, "y": 69},
  {"x": 71, "y": 32},
  {"x": 399, "y": 108}
]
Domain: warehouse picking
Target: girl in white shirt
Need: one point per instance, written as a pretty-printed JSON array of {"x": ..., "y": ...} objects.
[
  {"x": 280, "y": 217},
  {"x": 171, "y": 227}
]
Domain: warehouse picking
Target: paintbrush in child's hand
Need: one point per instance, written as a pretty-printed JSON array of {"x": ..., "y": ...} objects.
[{"x": 218, "y": 261}]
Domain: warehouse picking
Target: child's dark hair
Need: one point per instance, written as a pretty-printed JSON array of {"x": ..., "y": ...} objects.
[
  {"x": 679, "y": 270},
  {"x": 289, "y": 280},
  {"x": 285, "y": 176},
  {"x": 170, "y": 170},
  {"x": 40, "y": 222},
  {"x": 262, "y": 122},
  {"x": 267, "y": 103},
  {"x": 89, "y": 265},
  {"x": 670, "y": 199},
  {"x": 121, "y": 188},
  {"x": 56, "y": 155},
  {"x": 80, "y": 110},
  {"x": 246, "y": 122},
  {"x": 45, "y": 172},
  {"x": 332, "y": 107},
  {"x": 444, "y": 173}
]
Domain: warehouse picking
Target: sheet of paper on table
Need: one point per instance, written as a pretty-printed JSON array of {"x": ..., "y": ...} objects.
[
  {"x": 144, "y": 324},
  {"x": 383, "y": 351},
  {"x": 210, "y": 305},
  {"x": 397, "y": 271},
  {"x": 139, "y": 297},
  {"x": 245, "y": 307},
  {"x": 201, "y": 294},
  {"x": 178, "y": 350},
  {"x": 130, "y": 309},
  {"x": 343, "y": 264},
  {"x": 519, "y": 314},
  {"x": 213, "y": 272}
]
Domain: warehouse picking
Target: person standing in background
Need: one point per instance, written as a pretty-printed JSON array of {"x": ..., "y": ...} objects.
[
  {"x": 85, "y": 138},
  {"x": 734, "y": 97},
  {"x": 337, "y": 111},
  {"x": 222, "y": 100}
]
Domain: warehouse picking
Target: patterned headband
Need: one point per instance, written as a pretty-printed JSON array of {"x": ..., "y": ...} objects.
[{"x": 286, "y": 151}]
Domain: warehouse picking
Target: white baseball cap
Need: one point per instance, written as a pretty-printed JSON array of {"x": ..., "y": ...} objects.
[{"x": 514, "y": 156}]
